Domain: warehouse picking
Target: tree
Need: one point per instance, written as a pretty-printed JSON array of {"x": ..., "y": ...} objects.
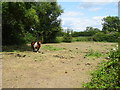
[
  {"x": 90, "y": 31},
  {"x": 49, "y": 26},
  {"x": 16, "y": 16},
  {"x": 111, "y": 24},
  {"x": 67, "y": 37},
  {"x": 37, "y": 18}
]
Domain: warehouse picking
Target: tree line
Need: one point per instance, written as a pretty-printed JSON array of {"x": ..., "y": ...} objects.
[
  {"x": 23, "y": 22},
  {"x": 110, "y": 31}
]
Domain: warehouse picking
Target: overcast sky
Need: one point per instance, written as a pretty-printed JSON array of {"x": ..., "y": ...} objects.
[{"x": 78, "y": 15}]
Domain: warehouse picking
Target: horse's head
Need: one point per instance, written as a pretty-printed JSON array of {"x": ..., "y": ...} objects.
[{"x": 39, "y": 41}]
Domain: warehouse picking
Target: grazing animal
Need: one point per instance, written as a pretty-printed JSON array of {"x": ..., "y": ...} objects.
[{"x": 36, "y": 46}]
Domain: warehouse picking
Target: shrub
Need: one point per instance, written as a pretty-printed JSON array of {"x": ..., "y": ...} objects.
[
  {"x": 29, "y": 38},
  {"x": 99, "y": 37},
  {"x": 77, "y": 39},
  {"x": 67, "y": 37},
  {"x": 58, "y": 40},
  {"x": 107, "y": 75},
  {"x": 111, "y": 37}
]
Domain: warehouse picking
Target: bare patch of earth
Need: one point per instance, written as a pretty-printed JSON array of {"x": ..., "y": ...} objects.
[{"x": 67, "y": 68}]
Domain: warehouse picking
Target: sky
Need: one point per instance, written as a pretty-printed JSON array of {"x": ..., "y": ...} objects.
[{"x": 78, "y": 15}]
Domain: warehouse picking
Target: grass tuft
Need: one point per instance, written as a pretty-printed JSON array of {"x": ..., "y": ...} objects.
[
  {"x": 92, "y": 53},
  {"x": 51, "y": 48}
]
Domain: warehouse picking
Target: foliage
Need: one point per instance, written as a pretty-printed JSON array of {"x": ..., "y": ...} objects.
[
  {"x": 58, "y": 39},
  {"x": 107, "y": 74},
  {"x": 78, "y": 39},
  {"x": 49, "y": 25},
  {"x": 111, "y": 24},
  {"x": 29, "y": 37},
  {"x": 67, "y": 37},
  {"x": 111, "y": 37},
  {"x": 99, "y": 37},
  {"x": 90, "y": 31},
  {"x": 37, "y": 18}
]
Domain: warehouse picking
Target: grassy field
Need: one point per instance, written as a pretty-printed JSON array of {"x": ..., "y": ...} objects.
[{"x": 57, "y": 65}]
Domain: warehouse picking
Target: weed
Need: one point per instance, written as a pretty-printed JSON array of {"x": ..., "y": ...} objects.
[{"x": 92, "y": 53}]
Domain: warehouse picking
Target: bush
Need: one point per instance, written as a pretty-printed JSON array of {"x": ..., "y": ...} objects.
[
  {"x": 112, "y": 37},
  {"x": 107, "y": 75},
  {"x": 99, "y": 37},
  {"x": 67, "y": 37},
  {"x": 58, "y": 40},
  {"x": 29, "y": 38},
  {"x": 77, "y": 39}
]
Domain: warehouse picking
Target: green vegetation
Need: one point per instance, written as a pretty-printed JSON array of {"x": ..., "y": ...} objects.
[
  {"x": 67, "y": 37},
  {"x": 51, "y": 48},
  {"x": 111, "y": 24},
  {"x": 102, "y": 37},
  {"x": 90, "y": 31},
  {"x": 39, "y": 21},
  {"x": 92, "y": 53},
  {"x": 77, "y": 39},
  {"x": 23, "y": 22},
  {"x": 107, "y": 74}
]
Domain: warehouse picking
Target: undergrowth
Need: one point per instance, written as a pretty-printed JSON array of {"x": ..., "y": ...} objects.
[{"x": 108, "y": 73}]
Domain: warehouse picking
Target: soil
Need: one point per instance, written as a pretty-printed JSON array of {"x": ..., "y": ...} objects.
[{"x": 66, "y": 68}]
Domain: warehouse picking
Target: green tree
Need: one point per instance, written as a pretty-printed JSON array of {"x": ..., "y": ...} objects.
[
  {"x": 111, "y": 24},
  {"x": 67, "y": 37},
  {"x": 49, "y": 26},
  {"x": 38, "y": 18},
  {"x": 16, "y": 16}
]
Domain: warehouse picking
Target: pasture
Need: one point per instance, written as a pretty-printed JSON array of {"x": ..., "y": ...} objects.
[{"x": 62, "y": 65}]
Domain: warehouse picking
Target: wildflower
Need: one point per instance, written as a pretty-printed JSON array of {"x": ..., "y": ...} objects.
[
  {"x": 116, "y": 45},
  {"x": 114, "y": 49},
  {"x": 107, "y": 58}
]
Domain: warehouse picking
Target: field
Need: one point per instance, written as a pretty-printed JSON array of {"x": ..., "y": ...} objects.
[{"x": 62, "y": 65}]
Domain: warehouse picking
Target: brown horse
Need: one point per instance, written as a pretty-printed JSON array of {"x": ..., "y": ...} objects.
[{"x": 36, "y": 45}]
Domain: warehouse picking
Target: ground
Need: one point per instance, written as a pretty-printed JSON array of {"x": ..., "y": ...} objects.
[{"x": 64, "y": 67}]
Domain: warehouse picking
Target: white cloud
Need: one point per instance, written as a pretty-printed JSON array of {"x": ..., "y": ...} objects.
[
  {"x": 95, "y": 9},
  {"x": 92, "y": 6},
  {"x": 86, "y": 0},
  {"x": 80, "y": 24},
  {"x": 72, "y": 14},
  {"x": 99, "y": 0}
]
